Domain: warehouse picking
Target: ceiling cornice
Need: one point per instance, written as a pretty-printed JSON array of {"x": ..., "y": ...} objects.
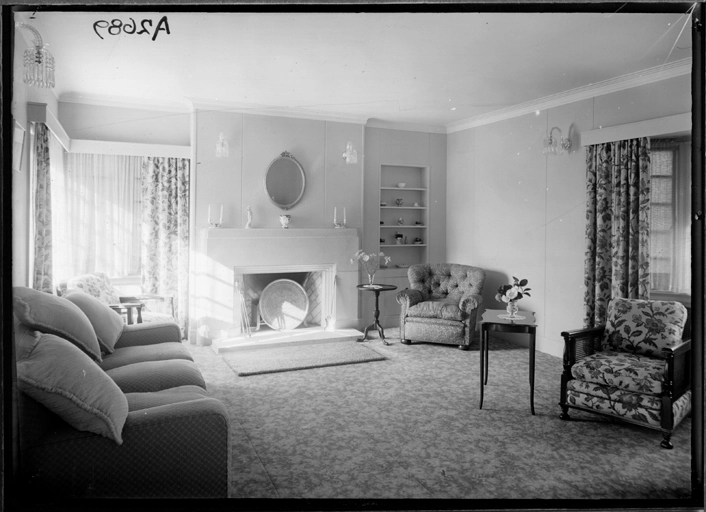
[
  {"x": 409, "y": 127},
  {"x": 104, "y": 101},
  {"x": 644, "y": 77},
  {"x": 268, "y": 110}
]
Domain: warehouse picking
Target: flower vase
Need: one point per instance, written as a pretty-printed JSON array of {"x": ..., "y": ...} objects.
[
  {"x": 371, "y": 278},
  {"x": 512, "y": 309}
]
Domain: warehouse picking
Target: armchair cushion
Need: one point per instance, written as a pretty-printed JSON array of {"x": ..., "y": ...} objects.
[
  {"x": 96, "y": 284},
  {"x": 644, "y": 326},
  {"x": 622, "y": 371},
  {"x": 446, "y": 309},
  {"x": 61, "y": 377},
  {"x": 107, "y": 324},
  {"x": 56, "y": 315}
]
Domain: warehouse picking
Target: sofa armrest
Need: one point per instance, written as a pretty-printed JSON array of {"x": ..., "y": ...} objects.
[
  {"x": 149, "y": 334},
  {"x": 677, "y": 377},
  {"x": 409, "y": 298},
  {"x": 469, "y": 302},
  {"x": 178, "y": 450}
]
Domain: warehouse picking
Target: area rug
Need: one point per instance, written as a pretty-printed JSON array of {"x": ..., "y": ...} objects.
[{"x": 299, "y": 357}]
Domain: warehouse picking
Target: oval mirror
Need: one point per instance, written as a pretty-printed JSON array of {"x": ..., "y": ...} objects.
[{"x": 285, "y": 181}]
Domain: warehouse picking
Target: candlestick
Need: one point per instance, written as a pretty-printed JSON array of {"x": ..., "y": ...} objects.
[
  {"x": 209, "y": 214},
  {"x": 344, "y": 216},
  {"x": 334, "y": 216},
  {"x": 220, "y": 221}
]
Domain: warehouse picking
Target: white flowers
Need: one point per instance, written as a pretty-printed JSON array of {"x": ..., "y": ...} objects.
[
  {"x": 371, "y": 262},
  {"x": 512, "y": 292}
]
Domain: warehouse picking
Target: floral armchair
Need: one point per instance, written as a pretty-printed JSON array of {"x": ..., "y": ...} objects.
[
  {"x": 98, "y": 284},
  {"x": 441, "y": 304},
  {"x": 636, "y": 367}
]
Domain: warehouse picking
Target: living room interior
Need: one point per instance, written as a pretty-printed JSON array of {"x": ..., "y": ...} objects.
[{"x": 437, "y": 138}]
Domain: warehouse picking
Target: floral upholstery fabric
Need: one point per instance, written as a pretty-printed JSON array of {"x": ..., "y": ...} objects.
[
  {"x": 96, "y": 284},
  {"x": 627, "y": 398},
  {"x": 644, "y": 326},
  {"x": 629, "y": 406},
  {"x": 444, "y": 309},
  {"x": 622, "y": 371}
]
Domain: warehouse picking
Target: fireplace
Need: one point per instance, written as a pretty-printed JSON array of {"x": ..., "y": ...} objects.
[
  {"x": 317, "y": 281},
  {"x": 231, "y": 262}
]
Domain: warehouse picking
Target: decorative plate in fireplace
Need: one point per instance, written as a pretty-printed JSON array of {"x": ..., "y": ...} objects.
[{"x": 284, "y": 304}]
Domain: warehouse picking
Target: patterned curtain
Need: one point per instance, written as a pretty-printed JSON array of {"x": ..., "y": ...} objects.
[
  {"x": 165, "y": 231},
  {"x": 42, "y": 274},
  {"x": 617, "y": 225}
]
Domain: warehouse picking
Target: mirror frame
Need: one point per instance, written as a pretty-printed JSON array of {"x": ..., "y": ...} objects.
[{"x": 288, "y": 156}]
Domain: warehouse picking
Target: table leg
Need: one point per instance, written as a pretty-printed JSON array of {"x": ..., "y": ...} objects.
[
  {"x": 487, "y": 350},
  {"x": 139, "y": 314},
  {"x": 483, "y": 334},
  {"x": 129, "y": 315},
  {"x": 531, "y": 370}
]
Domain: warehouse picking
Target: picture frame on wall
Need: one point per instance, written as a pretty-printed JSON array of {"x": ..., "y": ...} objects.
[{"x": 18, "y": 144}]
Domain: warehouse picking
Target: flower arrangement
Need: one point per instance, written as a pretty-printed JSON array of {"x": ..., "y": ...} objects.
[
  {"x": 371, "y": 262},
  {"x": 510, "y": 294},
  {"x": 513, "y": 292}
]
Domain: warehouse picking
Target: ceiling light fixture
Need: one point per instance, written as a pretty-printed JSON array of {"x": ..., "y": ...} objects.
[
  {"x": 221, "y": 146},
  {"x": 555, "y": 145},
  {"x": 351, "y": 155},
  {"x": 38, "y": 61}
]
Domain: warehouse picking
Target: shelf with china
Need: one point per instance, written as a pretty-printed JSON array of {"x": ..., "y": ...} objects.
[{"x": 404, "y": 214}]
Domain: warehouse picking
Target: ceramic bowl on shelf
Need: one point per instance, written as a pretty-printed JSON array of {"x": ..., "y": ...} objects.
[
  {"x": 403, "y": 265},
  {"x": 401, "y": 185},
  {"x": 383, "y": 204}
]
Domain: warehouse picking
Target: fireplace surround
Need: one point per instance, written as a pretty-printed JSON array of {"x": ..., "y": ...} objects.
[{"x": 228, "y": 258}]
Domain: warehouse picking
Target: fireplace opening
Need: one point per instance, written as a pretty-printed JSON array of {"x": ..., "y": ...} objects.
[{"x": 249, "y": 292}]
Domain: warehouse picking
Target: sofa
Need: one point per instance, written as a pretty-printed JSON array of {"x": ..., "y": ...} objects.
[
  {"x": 441, "y": 303},
  {"x": 110, "y": 410}
]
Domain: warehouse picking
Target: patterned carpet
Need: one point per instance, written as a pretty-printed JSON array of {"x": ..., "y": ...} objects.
[{"x": 409, "y": 427}]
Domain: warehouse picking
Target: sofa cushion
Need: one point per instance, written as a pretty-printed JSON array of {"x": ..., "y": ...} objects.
[
  {"x": 621, "y": 370},
  {"x": 96, "y": 284},
  {"x": 56, "y": 315},
  {"x": 445, "y": 309},
  {"x": 156, "y": 375},
  {"x": 140, "y": 401},
  {"x": 139, "y": 354},
  {"x": 66, "y": 381},
  {"x": 644, "y": 326},
  {"x": 107, "y": 324}
]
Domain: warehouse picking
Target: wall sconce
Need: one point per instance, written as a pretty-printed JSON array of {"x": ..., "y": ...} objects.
[
  {"x": 555, "y": 145},
  {"x": 221, "y": 146},
  {"x": 351, "y": 155},
  {"x": 38, "y": 61}
]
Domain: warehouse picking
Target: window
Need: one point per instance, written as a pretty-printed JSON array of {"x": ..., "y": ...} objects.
[
  {"x": 97, "y": 207},
  {"x": 670, "y": 223}
]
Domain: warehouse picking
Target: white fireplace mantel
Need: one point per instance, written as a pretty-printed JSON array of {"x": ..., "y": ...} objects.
[{"x": 222, "y": 250}]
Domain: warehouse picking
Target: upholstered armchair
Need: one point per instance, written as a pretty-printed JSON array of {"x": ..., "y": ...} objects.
[
  {"x": 441, "y": 304},
  {"x": 98, "y": 285},
  {"x": 635, "y": 368}
]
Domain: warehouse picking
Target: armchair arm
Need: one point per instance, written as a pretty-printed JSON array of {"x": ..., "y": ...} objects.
[
  {"x": 409, "y": 298},
  {"x": 469, "y": 302},
  {"x": 149, "y": 334},
  {"x": 677, "y": 377},
  {"x": 580, "y": 343}
]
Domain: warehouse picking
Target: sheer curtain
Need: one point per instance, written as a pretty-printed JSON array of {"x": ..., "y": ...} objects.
[{"x": 97, "y": 212}]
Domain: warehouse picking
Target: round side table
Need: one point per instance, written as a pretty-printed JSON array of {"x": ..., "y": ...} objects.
[{"x": 377, "y": 288}]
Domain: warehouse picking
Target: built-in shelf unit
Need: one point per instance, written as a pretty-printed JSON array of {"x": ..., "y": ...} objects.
[{"x": 404, "y": 213}]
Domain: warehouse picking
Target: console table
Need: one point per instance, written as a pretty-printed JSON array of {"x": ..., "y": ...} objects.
[{"x": 492, "y": 321}]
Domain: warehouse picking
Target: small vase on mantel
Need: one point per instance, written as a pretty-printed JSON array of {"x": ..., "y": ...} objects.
[{"x": 512, "y": 309}]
